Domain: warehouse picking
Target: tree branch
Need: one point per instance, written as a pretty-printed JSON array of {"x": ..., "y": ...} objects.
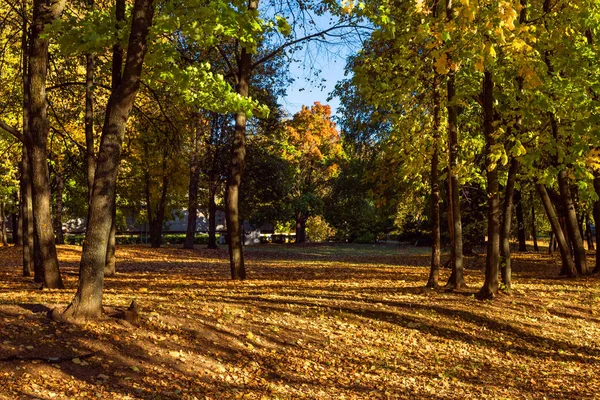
[{"x": 11, "y": 130}]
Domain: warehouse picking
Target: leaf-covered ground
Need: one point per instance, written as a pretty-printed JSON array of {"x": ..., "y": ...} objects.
[{"x": 321, "y": 321}]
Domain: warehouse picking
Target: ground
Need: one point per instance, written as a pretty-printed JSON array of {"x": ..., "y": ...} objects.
[{"x": 319, "y": 322}]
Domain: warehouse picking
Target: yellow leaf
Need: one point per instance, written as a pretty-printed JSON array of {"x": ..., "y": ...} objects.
[{"x": 441, "y": 64}]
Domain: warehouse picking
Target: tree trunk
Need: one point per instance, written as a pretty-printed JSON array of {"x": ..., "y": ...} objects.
[
  {"x": 44, "y": 12},
  {"x": 434, "y": 271},
  {"x": 533, "y": 228},
  {"x": 563, "y": 246},
  {"x": 551, "y": 245},
  {"x": 572, "y": 226},
  {"x": 507, "y": 207},
  {"x": 457, "y": 279},
  {"x": 236, "y": 168},
  {"x": 27, "y": 217},
  {"x": 17, "y": 221},
  {"x": 26, "y": 205},
  {"x": 212, "y": 217},
  {"x": 157, "y": 225},
  {"x": 87, "y": 302},
  {"x": 190, "y": 233},
  {"x": 89, "y": 122},
  {"x": 110, "y": 267},
  {"x": 58, "y": 210},
  {"x": 3, "y": 216},
  {"x": 597, "y": 220},
  {"x": 520, "y": 222},
  {"x": 300, "y": 228},
  {"x": 490, "y": 286},
  {"x": 14, "y": 220}
]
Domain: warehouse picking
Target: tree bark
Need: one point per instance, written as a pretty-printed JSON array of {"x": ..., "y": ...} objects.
[
  {"x": 490, "y": 286},
  {"x": 572, "y": 225},
  {"x": 236, "y": 168},
  {"x": 87, "y": 303},
  {"x": 159, "y": 218},
  {"x": 563, "y": 246},
  {"x": 110, "y": 267},
  {"x": 38, "y": 265},
  {"x": 58, "y": 209},
  {"x": 457, "y": 279},
  {"x": 190, "y": 233},
  {"x": 27, "y": 216},
  {"x": 16, "y": 219},
  {"x": 533, "y": 228},
  {"x": 300, "y": 228},
  {"x": 89, "y": 122},
  {"x": 434, "y": 271},
  {"x": 520, "y": 222},
  {"x": 3, "y": 216},
  {"x": 26, "y": 205},
  {"x": 597, "y": 220},
  {"x": 212, "y": 217},
  {"x": 44, "y": 12},
  {"x": 507, "y": 207}
]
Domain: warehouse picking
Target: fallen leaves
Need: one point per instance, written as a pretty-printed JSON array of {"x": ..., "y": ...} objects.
[{"x": 314, "y": 322}]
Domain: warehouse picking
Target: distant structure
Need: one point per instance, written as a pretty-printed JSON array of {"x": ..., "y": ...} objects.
[{"x": 177, "y": 224}]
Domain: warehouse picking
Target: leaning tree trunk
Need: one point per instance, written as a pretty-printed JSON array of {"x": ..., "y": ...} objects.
[
  {"x": 236, "y": 168},
  {"x": 434, "y": 271},
  {"x": 110, "y": 267},
  {"x": 490, "y": 285},
  {"x": 572, "y": 225},
  {"x": 507, "y": 207},
  {"x": 563, "y": 246},
  {"x": 87, "y": 302},
  {"x": 44, "y": 12},
  {"x": 212, "y": 216}
]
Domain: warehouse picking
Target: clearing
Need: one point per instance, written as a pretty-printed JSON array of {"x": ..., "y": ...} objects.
[{"x": 315, "y": 321}]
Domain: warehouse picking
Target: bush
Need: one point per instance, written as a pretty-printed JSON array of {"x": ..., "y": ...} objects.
[
  {"x": 318, "y": 230},
  {"x": 365, "y": 237}
]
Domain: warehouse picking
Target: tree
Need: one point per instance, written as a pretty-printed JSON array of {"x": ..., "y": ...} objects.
[
  {"x": 314, "y": 149},
  {"x": 44, "y": 13},
  {"x": 87, "y": 302}
]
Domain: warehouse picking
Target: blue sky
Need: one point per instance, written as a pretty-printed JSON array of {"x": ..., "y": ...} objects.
[
  {"x": 318, "y": 68},
  {"x": 307, "y": 89}
]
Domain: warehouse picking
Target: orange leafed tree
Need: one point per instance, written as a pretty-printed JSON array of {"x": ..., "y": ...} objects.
[{"x": 314, "y": 149}]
